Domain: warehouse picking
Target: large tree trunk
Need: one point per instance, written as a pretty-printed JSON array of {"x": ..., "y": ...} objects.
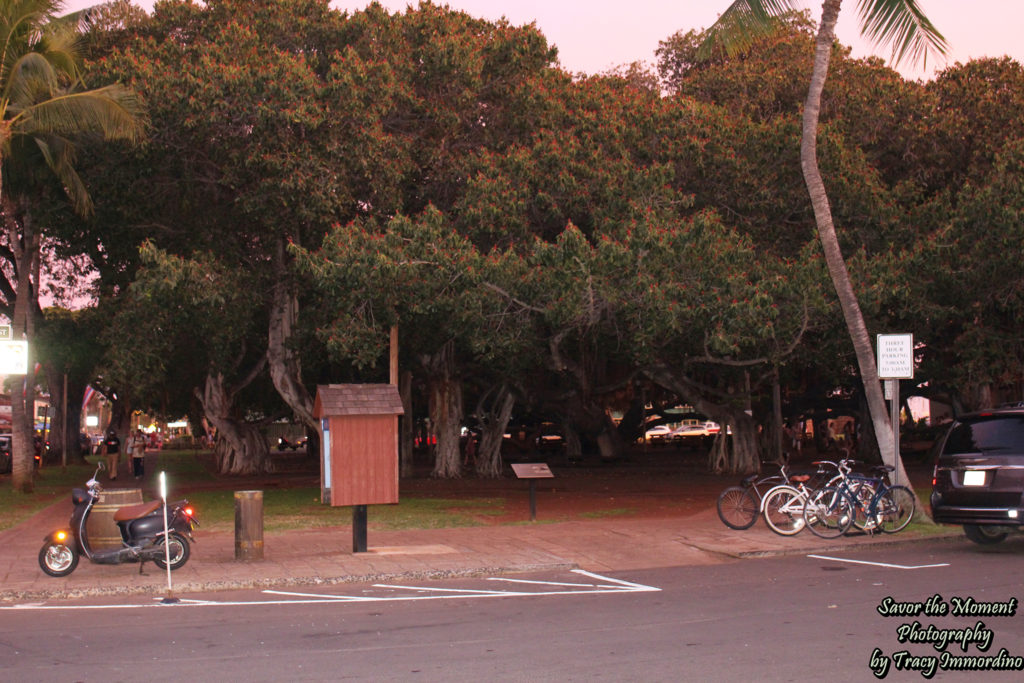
[
  {"x": 24, "y": 243},
  {"x": 739, "y": 452},
  {"x": 63, "y": 441},
  {"x": 285, "y": 369},
  {"x": 445, "y": 411},
  {"x": 406, "y": 424},
  {"x": 493, "y": 423},
  {"x": 241, "y": 448},
  {"x": 744, "y": 456},
  {"x": 830, "y": 244}
]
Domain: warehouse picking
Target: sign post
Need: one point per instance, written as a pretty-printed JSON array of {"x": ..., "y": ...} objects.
[
  {"x": 895, "y": 362},
  {"x": 532, "y": 471}
]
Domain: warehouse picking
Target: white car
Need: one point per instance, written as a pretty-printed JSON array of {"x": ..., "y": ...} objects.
[
  {"x": 659, "y": 433},
  {"x": 695, "y": 435}
]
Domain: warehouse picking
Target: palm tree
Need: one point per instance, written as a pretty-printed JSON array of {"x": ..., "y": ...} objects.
[
  {"x": 44, "y": 103},
  {"x": 899, "y": 23}
]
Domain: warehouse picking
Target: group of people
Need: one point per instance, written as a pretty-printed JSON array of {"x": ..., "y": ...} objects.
[{"x": 134, "y": 448}]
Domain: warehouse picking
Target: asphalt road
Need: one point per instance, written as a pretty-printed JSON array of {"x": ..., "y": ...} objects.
[{"x": 781, "y": 619}]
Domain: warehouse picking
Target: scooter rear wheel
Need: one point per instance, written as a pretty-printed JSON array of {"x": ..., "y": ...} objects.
[
  {"x": 58, "y": 559},
  {"x": 179, "y": 552}
]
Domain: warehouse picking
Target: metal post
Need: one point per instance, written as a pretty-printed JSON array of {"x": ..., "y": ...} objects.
[
  {"x": 533, "y": 500},
  {"x": 894, "y": 418},
  {"x": 359, "y": 528}
]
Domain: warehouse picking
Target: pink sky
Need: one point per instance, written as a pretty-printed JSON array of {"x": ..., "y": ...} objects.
[{"x": 595, "y": 35}]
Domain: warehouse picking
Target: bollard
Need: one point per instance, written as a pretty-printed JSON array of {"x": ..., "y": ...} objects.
[{"x": 248, "y": 525}]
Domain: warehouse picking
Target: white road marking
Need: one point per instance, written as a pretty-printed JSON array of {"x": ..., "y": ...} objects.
[
  {"x": 474, "y": 591},
  {"x": 542, "y": 583},
  {"x": 610, "y": 585},
  {"x": 879, "y": 564}
]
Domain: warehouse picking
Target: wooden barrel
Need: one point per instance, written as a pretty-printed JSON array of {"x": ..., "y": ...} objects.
[{"x": 101, "y": 527}]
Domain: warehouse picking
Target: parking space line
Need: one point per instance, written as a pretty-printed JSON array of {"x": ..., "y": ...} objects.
[
  {"x": 879, "y": 564},
  {"x": 609, "y": 585}
]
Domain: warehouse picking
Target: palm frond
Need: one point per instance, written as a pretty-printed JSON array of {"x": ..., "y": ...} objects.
[
  {"x": 21, "y": 26},
  {"x": 31, "y": 79},
  {"x": 902, "y": 24},
  {"x": 112, "y": 112},
  {"x": 742, "y": 24},
  {"x": 59, "y": 155}
]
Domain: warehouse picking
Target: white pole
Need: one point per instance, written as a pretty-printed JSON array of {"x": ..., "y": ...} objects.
[{"x": 167, "y": 537}]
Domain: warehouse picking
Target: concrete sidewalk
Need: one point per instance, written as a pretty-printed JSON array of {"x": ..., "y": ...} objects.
[{"x": 324, "y": 556}]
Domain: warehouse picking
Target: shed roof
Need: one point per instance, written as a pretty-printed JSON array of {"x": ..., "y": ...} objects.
[{"x": 357, "y": 399}]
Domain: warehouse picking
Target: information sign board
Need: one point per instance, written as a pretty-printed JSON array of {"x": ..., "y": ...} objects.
[
  {"x": 532, "y": 470},
  {"x": 895, "y": 356},
  {"x": 13, "y": 358}
]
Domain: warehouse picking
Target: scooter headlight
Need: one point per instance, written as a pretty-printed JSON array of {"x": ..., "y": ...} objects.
[{"x": 61, "y": 536}]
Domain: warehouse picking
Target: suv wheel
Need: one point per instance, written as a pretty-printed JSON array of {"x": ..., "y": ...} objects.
[{"x": 984, "y": 534}]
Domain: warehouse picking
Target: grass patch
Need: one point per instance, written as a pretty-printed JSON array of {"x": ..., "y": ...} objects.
[
  {"x": 182, "y": 466},
  {"x": 51, "y": 483},
  {"x": 300, "y": 508},
  {"x": 614, "y": 512}
]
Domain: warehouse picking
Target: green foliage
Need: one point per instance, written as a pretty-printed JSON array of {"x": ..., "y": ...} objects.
[
  {"x": 180, "y": 317},
  {"x": 437, "y": 172}
]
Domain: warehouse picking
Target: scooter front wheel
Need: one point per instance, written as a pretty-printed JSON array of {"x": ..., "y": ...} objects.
[
  {"x": 179, "y": 552},
  {"x": 58, "y": 559}
]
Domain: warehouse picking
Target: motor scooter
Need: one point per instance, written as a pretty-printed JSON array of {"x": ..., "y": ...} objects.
[{"x": 142, "y": 534}]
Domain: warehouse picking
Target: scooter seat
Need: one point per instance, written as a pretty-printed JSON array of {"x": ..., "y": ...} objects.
[{"x": 130, "y": 512}]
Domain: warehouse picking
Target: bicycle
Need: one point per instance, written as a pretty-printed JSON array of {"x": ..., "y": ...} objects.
[
  {"x": 783, "y": 505},
  {"x": 739, "y": 506},
  {"x": 869, "y": 503}
]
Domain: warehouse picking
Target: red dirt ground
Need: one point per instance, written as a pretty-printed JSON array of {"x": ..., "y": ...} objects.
[{"x": 649, "y": 483}]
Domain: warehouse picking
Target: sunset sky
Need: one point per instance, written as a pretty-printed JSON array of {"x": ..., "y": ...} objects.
[{"x": 593, "y": 36}]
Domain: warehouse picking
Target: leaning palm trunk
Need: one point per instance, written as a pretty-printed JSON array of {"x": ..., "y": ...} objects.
[{"x": 830, "y": 244}]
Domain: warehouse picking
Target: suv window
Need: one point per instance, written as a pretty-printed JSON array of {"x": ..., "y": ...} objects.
[{"x": 997, "y": 433}]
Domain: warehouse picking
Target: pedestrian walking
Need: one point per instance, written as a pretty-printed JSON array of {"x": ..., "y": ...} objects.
[
  {"x": 112, "y": 449},
  {"x": 138, "y": 450}
]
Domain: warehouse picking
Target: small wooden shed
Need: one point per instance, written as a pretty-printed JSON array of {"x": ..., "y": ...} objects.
[{"x": 359, "y": 461}]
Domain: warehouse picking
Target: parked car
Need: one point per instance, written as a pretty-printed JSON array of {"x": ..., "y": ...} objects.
[
  {"x": 695, "y": 435},
  {"x": 978, "y": 480},
  {"x": 658, "y": 433},
  {"x": 5, "y": 453},
  {"x": 550, "y": 437}
]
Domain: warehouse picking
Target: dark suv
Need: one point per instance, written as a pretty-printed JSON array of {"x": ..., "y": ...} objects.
[{"x": 979, "y": 475}]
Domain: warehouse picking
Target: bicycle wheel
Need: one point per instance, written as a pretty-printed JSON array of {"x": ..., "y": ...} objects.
[
  {"x": 895, "y": 509},
  {"x": 862, "y": 492},
  {"x": 828, "y": 513},
  {"x": 738, "y": 507},
  {"x": 783, "y": 507}
]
